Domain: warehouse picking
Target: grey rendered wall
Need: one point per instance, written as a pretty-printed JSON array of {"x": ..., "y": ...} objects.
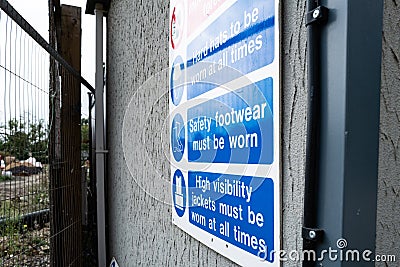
[
  {"x": 388, "y": 221},
  {"x": 140, "y": 230}
]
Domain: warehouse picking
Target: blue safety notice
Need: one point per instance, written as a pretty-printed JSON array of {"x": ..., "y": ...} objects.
[
  {"x": 234, "y": 128},
  {"x": 237, "y": 209},
  {"x": 230, "y": 49},
  {"x": 224, "y": 127}
]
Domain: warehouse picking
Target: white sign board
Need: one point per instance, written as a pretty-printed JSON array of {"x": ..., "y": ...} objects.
[
  {"x": 114, "y": 263},
  {"x": 225, "y": 126}
]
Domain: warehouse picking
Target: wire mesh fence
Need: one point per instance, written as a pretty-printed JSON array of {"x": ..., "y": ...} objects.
[
  {"x": 24, "y": 131},
  {"x": 43, "y": 180}
]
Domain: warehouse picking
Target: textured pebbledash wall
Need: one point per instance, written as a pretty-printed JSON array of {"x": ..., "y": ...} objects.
[
  {"x": 388, "y": 221},
  {"x": 139, "y": 214}
]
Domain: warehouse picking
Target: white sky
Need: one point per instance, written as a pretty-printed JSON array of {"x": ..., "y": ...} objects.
[{"x": 36, "y": 13}]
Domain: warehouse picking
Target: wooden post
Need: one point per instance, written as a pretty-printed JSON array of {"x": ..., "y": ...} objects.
[{"x": 68, "y": 211}]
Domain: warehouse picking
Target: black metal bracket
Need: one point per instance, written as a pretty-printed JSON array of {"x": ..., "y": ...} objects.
[
  {"x": 312, "y": 234},
  {"x": 317, "y": 15}
]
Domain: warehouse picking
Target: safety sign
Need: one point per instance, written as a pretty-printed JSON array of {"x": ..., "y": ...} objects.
[{"x": 224, "y": 95}]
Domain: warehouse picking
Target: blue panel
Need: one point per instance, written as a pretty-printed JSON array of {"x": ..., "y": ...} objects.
[
  {"x": 230, "y": 48},
  {"x": 237, "y": 209},
  {"x": 234, "y": 128}
]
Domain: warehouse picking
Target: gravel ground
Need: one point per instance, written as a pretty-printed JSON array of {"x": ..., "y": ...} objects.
[
  {"x": 29, "y": 248},
  {"x": 20, "y": 246},
  {"x": 21, "y": 186}
]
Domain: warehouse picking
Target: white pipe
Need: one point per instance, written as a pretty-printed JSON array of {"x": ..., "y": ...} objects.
[{"x": 100, "y": 147}]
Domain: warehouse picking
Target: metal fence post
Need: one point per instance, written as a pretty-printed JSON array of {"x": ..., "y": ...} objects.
[{"x": 100, "y": 144}]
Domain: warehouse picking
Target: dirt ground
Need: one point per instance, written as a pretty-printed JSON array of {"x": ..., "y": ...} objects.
[
  {"x": 24, "y": 194},
  {"x": 20, "y": 185}
]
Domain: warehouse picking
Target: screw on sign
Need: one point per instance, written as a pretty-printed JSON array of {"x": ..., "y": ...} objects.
[{"x": 316, "y": 13}]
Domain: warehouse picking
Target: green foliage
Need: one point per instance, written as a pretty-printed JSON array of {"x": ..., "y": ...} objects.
[
  {"x": 4, "y": 178},
  {"x": 85, "y": 134},
  {"x": 11, "y": 230},
  {"x": 20, "y": 140}
]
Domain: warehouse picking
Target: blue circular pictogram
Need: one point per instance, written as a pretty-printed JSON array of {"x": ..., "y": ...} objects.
[
  {"x": 179, "y": 193},
  {"x": 177, "y": 80},
  {"x": 178, "y": 137}
]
